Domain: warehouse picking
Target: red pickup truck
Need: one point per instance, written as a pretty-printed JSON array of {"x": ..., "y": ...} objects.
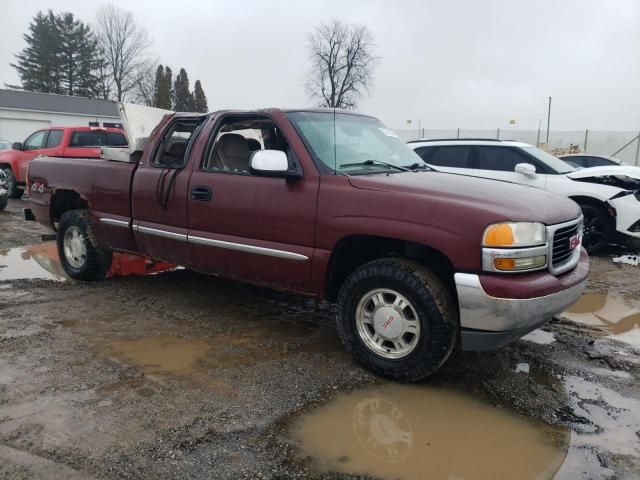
[
  {"x": 55, "y": 142},
  {"x": 331, "y": 205}
]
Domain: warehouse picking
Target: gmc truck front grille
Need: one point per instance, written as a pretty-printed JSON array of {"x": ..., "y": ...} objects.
[
  {"x": 562, "y": 248},
  {"x": 565, "y": 246}
]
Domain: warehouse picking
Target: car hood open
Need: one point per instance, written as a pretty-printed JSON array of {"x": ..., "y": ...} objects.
[
  {"x": 626, "y": 178},
  {"x": 621, "y": 171}
]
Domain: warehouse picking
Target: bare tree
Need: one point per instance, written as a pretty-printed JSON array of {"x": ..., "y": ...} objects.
[
  {"x": 124, "y": 44},
  {"x": 105, "y": 82},
  {"x": 342, "y": 64},
  {"x": 143, "y": 89}
]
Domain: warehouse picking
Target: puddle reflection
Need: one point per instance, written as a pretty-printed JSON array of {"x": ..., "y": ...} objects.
[
  {"x": 31, "y": 262},
  {"x": 610, "y": 311},
  {"x": 41, "y": 261},
  {"x": 412, "y": 432}
]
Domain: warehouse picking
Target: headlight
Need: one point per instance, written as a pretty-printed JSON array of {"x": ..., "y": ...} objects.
[
  {"x": 514, "y": 247},
  {"x": 514, "y": 234}
]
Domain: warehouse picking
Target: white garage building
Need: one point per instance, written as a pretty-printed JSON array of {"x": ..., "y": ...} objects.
[{"x": 23, "y": 112}]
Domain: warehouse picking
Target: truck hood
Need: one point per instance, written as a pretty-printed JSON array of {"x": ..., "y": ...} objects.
[
  {"x": 505, "y": 200},
  {"x": 624, "y": 177},
  {"x": 627, "y": 171},
  {"x": 138, "y": 121}
]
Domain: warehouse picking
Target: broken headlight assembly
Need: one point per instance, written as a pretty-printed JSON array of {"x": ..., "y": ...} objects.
[{"x": 514, "y": 247}]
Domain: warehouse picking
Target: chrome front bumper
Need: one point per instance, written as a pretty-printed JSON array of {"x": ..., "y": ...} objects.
[{"x": 488, "y": 323}]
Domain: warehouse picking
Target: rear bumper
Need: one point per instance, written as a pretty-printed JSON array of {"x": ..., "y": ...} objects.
[{"x": 488, "y": 322}]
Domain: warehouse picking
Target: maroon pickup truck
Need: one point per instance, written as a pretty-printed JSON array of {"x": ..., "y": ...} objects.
[{"x": 331, "y": 205}]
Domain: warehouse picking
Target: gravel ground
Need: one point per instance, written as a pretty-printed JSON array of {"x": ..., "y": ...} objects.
[{"x": 177, "y": 375}]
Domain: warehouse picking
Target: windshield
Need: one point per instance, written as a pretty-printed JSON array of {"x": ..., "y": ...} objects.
[
  {"x": 554, "y": 163},
  {"x": 358, "y": 145}
]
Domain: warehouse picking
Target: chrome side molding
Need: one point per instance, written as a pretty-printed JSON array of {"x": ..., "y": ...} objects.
[
  {"x": 242, "y": 247},
  {"x": 209, "y": 242},
  {"x": 114, "y": 222},
  {"x": 160, "y": 233}
]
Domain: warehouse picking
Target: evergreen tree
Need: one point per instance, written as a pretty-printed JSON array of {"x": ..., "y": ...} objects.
[
  {"x": 62, "y": 56},
  {"x": 162, "y": 89},
  {"x": 80, "y": 57},
  {"x": 200, "y": 98},
  {"x": 168, "y": 87},
  {"x": 38, "y": 64},
  {"x": 183, "y": 100}
]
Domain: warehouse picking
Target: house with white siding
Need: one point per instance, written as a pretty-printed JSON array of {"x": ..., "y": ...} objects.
[{"x": 23, "y": 112}]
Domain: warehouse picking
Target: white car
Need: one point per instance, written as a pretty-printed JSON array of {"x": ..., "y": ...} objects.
[{"x": 609, "y": 196}]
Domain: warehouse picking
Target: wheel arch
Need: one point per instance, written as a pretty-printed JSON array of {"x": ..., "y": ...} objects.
[
  {"x": 596, "y": 202},
  {"x": 64, "y": 200},
  {"x": 5, "y": 164},
  {"x": 353, "y": 251}
]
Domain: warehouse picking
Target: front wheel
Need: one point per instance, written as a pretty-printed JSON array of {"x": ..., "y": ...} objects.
[
  {"x": 598, "y": 228},
  {"x": 82, "y": 257},
  {"x": 397, "y": 319}
]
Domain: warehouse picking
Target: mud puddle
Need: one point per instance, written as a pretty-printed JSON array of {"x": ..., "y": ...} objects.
[
  {"x": 416, "y": 432},
  {"x": 611, "y": 311},
  {"x": 31, "y": 262},
  {"x": 610, "y": 421},
  {"x": 160, "y": 355},
  {"x": 235, "y": 346},
  {"x": 41, "y": 261}
]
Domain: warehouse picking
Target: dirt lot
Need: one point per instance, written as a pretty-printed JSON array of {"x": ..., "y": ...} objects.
[{"x": 176, "y": 375}]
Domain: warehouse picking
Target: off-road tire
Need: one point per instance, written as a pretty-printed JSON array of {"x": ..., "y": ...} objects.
[
  {"x": 4, "y": 199},
  {"x": 12, "y": 184},
  {"x": 98, "y": 257},
  {"x": 603, "y": 224},
  {"x": 434, "y": 305}
]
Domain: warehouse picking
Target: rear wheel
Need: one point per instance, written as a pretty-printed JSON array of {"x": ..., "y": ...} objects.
[
  {"x": 397, "y": 319},
  {"x": 12, "y": 184},
  {"x": 82, "y": 257},
  {"x": 598, "y": 227}
]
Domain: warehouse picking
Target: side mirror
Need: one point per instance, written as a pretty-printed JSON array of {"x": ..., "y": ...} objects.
[
  {"x": 16, "y": 146},
  {"x": 271, "y": 163},
  {"x": 526, "y": 169}
]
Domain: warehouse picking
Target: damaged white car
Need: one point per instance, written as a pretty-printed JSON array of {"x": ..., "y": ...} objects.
[{"x": 609, "y": 196}]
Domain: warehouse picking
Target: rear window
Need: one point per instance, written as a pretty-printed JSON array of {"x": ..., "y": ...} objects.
[
  {"x": 98, "y": 139},
  {"x": 453, "y": 157}
]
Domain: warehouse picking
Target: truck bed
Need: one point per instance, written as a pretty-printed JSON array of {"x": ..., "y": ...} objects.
[{"x": 104, "y": 185}]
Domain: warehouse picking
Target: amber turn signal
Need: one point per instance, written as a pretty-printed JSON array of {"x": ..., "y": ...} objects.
[{"x": 515, "y": 264}]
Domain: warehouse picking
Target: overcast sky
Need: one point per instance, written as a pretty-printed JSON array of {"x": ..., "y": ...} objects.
[{"x": 469, "y": 64}]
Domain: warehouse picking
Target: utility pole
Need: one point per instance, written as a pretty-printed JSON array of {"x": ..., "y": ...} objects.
[
  {"x": 538, "y": 139},
  {"x": 548, "y": 121},
  {"x": 586, "y": 138}
]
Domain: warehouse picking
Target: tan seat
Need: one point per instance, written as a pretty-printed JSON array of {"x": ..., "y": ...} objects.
[
  {"x": 253, "y": 144},
  {"x": 233, "y": 152}
]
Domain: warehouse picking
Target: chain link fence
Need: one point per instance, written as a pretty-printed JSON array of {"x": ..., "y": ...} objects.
[{"x": 622, "y": 145}]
